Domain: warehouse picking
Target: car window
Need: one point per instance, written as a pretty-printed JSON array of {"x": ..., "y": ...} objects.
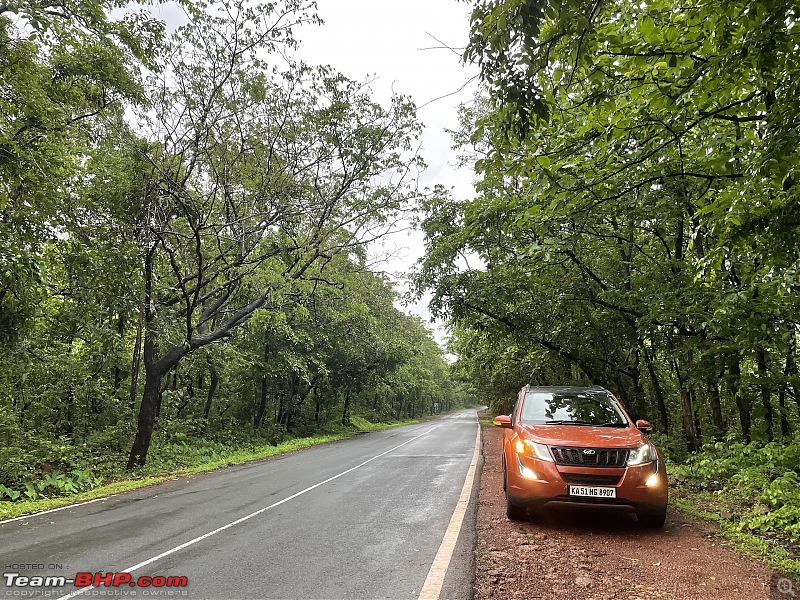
[{"x": 572, "y": 408}]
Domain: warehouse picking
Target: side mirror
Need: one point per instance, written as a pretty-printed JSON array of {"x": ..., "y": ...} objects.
[
  {"x": 503, "y": 421},
  {"x": 644, "y": 426}
]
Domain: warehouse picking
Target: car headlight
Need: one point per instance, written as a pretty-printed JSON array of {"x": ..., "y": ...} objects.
[
  {"x": 541, "y": 451},
  {"x": 528, "y": 448},
  {"x": 643, "y": 454}
]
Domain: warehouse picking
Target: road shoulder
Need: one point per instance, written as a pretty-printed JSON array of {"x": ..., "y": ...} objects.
[{"x": 601, "y": 555}]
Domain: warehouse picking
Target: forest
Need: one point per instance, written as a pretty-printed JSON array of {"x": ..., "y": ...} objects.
[
  {"x": 185, "y": 228},
  {"x": 637, "y": 226},
  {"x": 186, "y": 217}
]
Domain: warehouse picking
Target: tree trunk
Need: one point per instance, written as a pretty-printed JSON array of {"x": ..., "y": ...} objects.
[
  {"x": 717, "y": 420},
  {"x": 766, "y": 401},
  {"x": 638, "y": 391},
  {"x": 785, "y": 429},
  {"x": 790, "y": 370},
  {"x": 346, "y": 410},
  {"x": 658, "y": 392},
  {"x": 292, "y": 391},
  {"x": 698, "y": 428},
  {"x": 211, "y": 391},
  {"x": 687, "y": 419},
  {"x": 281, "y": 409},
  {"x": 148, "y": 411},
  {"x": 687, "y": 411},
  {"x": 189, "y": 396},
  {"x": 69, "y": 406},
  {"x": 742, "y": 405},
  {"x": 117, "y": 370},
  {"x": 262, "y": 405},
  {"x": 155, "y": 370},
  {"x": 136, "y": 361}
]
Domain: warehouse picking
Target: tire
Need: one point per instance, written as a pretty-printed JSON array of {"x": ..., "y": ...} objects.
[
  {"x": 515, "y": 512},
  {"x": 653, "y": 519}
]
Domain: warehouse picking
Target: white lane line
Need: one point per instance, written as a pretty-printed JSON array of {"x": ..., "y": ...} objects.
[
  {"x": 435, "y": 579},
  {"x": 251, "y": 515},
  {"x": 52, "y": 510}
]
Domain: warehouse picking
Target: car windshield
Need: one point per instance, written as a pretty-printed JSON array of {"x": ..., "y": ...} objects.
[{"x": 584, "y": 407}]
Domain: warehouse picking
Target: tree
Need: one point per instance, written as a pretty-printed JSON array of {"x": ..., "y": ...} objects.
[
  {"x": 633, "y": 226},
  {"x": 258, "y": 180},
  {"x": 67, "y": 70}
]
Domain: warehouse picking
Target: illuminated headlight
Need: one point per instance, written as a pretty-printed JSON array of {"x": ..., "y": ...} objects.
[
  {"x": 643, "y": 454},
  {"x": 525, "y": 471},
  {"x": 652, "y": 480},
  {"x": 540, "y": 451}
]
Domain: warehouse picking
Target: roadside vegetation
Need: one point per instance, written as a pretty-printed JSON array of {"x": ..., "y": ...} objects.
[
  {"x": 752, "y": 491},
  {"x": 187, "y": 221},
  {"x": 168, "y": 459},
  {"x": 636, "y": 226}
]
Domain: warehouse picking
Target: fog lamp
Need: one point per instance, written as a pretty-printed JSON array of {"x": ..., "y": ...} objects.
[{"x": 525, "y": 471}]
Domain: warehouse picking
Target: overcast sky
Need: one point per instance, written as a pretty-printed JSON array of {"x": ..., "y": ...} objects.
[{"x": 396, "y": 42}]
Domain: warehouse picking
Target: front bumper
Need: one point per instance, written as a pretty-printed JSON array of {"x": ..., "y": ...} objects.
[{"x": 552, "y": 481}]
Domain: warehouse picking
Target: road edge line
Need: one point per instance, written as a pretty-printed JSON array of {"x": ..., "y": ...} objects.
[
  {"x": 441, "y": 563},
  {"x": 52, "y": 510},
  {"x": 191, "y": 542}
]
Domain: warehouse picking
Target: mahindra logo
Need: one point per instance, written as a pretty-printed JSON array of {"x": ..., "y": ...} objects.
[{"x": 588, "y": 451}]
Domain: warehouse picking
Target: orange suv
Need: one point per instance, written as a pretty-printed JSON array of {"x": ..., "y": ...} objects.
[{"x": 577, "y": 445}]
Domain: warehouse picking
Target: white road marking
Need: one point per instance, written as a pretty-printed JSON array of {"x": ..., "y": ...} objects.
[
  {"x": 435, "y": 579},
  {"x": 52, "y": 510},
  {"x": 251, "y": 515}
]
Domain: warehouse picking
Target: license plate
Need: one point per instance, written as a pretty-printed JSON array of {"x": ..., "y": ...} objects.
[{"x": 592, "y": 492}]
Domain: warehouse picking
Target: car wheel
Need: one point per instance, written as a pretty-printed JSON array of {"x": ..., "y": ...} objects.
[
  {"x": 653, "y": 518},
  {"x": 515, "y": 512}
]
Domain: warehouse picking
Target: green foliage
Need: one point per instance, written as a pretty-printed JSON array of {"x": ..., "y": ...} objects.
[
  {"x": 756, "y": 484},
  {"x": 634, "y": 224},
  {"x": 779, "y": 558},
  {"x": 149, "y": 233},
  {"x": 53, "y": 485}
]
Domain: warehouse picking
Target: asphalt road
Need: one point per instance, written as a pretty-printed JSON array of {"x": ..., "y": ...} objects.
[{"x": 360, "y": 518}]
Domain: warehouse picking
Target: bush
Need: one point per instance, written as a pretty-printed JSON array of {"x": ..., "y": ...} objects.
[
  {"x": 762, "y": 479},
  {"x": 53, "y": 485}
]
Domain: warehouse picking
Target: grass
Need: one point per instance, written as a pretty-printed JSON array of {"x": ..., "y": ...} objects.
[
  {"x": 198, "y": 464},
  {"x": 772, "y": 554},
  {"x": 751, "y": 491}
]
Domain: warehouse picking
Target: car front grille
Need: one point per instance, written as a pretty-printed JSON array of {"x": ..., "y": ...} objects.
[
  {"x": 590, "y": 457},
  {"x": 590, "y": 479}
]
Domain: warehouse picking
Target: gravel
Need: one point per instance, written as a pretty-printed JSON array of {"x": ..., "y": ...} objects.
[{"x": 574, "y": 553}]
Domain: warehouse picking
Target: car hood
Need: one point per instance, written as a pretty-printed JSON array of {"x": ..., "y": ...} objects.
[{"x": 584, "y": 435}]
